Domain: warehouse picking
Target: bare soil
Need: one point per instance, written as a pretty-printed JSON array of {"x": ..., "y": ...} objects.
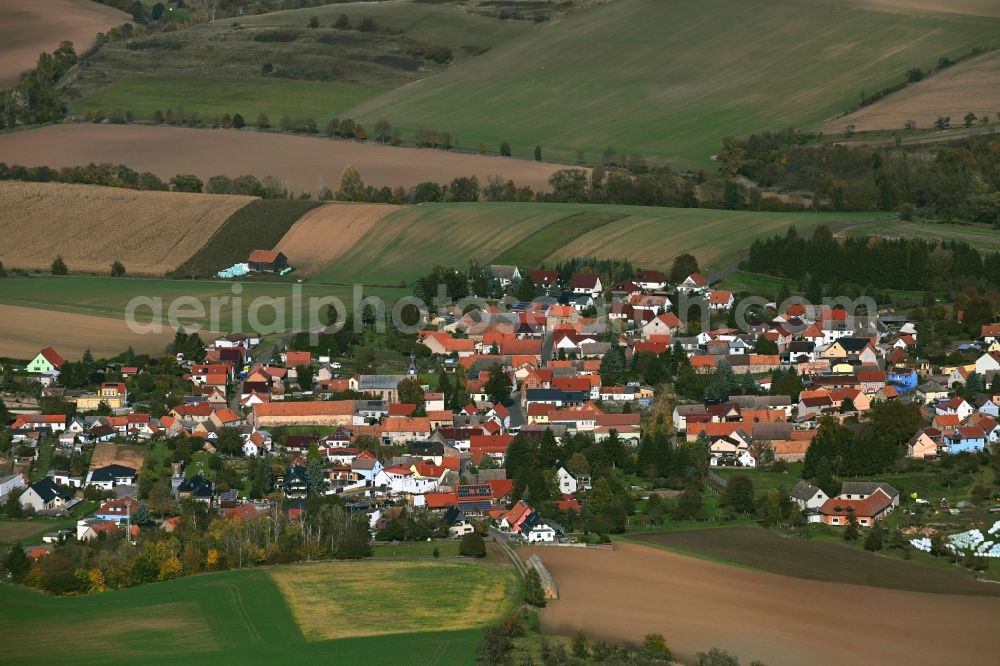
[
  {"x": 28, "y": 27},
  {"x": 324, "y": 234},
  {"x": 301, "y": 163},
  {"x": 696, "y": 604}
]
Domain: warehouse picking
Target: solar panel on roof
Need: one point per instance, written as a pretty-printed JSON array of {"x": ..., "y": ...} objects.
[
  {"x": 479, "y": 505},
  {"x": 475, "y": 490}
]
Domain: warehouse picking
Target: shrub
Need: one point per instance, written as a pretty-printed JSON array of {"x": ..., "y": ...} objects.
[
  {"x": 473, "y": 545},
  {"x": 59, "y": 266}
]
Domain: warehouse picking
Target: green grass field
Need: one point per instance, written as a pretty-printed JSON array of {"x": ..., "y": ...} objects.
[
  {"x": 668, "y": 79},
  {"x": 405, "y": 549},
  {"x": 350, "y": 599},
  {"x": 259, "y": 225},
  {"x": 983, "y": 237},
  {"x": 410, "y": 242},
  {"x": 212, "y": 97},
  {"x": 109, "y": 297},
  {"x": 225, "y": 618},
  {"x": 532, "y": 250}
]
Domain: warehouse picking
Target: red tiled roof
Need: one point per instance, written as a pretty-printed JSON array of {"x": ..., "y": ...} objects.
[
  {"x": 873, "y": 505},
  {"x": 263, "y": 256},
  {"x": 53, "y": 357},
  {"x": 311, "y": 408}
]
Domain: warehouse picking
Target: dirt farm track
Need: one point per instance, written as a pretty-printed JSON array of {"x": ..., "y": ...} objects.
[
  {"x": 696, "y": 604},
  {"x": 301, "y": 163}
]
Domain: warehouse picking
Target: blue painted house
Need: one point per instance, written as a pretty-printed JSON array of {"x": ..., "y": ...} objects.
[
  {"x": 966, "y": 439},
  {"x": 905, "y": 380}
]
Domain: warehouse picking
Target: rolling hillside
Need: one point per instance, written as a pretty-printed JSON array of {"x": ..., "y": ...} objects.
[
  {"x": 668, "y": 79},
  {"x": 410, "y": 242}
]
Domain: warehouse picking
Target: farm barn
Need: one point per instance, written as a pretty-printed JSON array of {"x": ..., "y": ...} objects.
[{"x": 267, "y": 261}]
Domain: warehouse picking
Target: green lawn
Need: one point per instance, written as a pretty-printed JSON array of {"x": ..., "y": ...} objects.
[
  {"x": 669, "y": 79},
  {"x": 212, "y": 97},
  {"x": 231, "y": 617},
  {"x": 409, "y": 242}
]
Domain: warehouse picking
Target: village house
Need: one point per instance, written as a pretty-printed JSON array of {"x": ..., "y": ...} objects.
[
  {"x": 865, "y": 508},
  {"x": 650, "y": 280},
  {"x": 112, "y": 394},
  {"x": 46, "y": 362},
  {"x": 110, "y": 476},
  {"x": 921, "y": 446},
  {"x": 586, "y": 283},
  {"x": 43, "y": 495},
  {"x": 809, "y": 498}
]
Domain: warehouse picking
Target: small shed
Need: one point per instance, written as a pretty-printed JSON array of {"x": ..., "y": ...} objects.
[{"x": 267, "y": 261}]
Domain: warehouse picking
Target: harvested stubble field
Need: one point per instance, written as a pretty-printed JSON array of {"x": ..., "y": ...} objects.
[
  {"x": 634, "y": 590},
  {"x": 972, "y": 85},
  {"x": 344, "y": 599},
  {"x": 322, "y": 235},
  {"x": 231, "y": 617},
  {"x": 91, "y": 226},
  {"x": 25, "y": 330},
  {"x": 301, "y": 163},
  {"x": 28, "y": 27}
]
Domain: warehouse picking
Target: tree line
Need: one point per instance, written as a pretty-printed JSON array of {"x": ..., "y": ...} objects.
[
  {"x": 888, "y": 263},
  {"x": 955, "y": 182}
]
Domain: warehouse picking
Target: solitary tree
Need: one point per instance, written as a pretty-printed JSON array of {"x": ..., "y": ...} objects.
[
  {"x": 538, "y": 153},
  {"x": 499, "y": 386},
  {"x": 352, "y": 188},
  {"x": 534, "y": 594},
  {"x": 59, "y": 266},
  {"x": 117, "y": 269},
  {"x": 472, "y": 545},
  {"x": 313, "y": 21},
  {"x": 526, "y": 289},
  {"x": 304, "y": 375},
  {"x": 505, "y": 149}
]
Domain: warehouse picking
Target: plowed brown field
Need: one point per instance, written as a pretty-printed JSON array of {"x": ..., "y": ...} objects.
[
  {"x": 90, "y": 226},
  {"x": 28, "y": 27},
  {"x": 634, "y": 590},
  {"x": 302, "y": 163},
  {"x": 325, "y": 233}
]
